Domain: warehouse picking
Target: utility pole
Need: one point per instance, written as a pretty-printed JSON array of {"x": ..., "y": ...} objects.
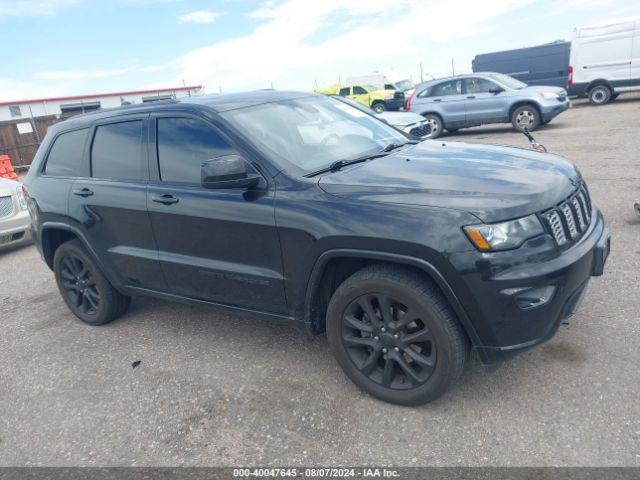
[
  {"x": 453, "y": 68},
  {"x": 421, "y": 73}
]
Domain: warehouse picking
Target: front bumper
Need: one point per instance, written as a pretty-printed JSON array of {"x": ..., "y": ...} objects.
[
  {"x": 15, "y": 230},
  {"x": 550, "y": 111},
  {"x": 394, "y": 104},
  {"x": 517, "y": 299}
]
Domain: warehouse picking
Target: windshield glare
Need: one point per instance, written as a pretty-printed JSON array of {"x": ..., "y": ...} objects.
[
  {"x": 508, "y": 81},
  {"x": 313, "y": 132}
]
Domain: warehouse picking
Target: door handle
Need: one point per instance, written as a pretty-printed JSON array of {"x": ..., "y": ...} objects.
[
  {"x": 165, "y": 199},
  {"x": 83, "y": 192},
  {"x": 438, "y": 100},
  {"x": 471, "y": 96}
]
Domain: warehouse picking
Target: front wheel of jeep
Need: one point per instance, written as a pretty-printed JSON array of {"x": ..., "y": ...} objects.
[{"x": 395, "y": 335}]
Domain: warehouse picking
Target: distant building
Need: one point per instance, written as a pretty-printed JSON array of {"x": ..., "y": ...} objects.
[
  {"x": 65, "y": 106},
  {"x": 24, "y": 123}
]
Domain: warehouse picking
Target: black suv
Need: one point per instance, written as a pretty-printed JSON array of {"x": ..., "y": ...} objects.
[{"x": 299, "y": 208}]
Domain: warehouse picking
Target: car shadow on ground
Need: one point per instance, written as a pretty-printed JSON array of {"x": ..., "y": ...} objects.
[
  {"x": 475, "y": 131},
  {"x": 310, "y": 354}
]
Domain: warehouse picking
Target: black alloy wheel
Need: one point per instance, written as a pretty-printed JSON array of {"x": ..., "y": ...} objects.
[
  {"x": 388, "y": 341},
  {"x": 79, "y": 285}
]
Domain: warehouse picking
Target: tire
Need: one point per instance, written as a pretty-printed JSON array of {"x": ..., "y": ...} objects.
[
  {"x": 432, "y": 345},
  {"x": 600, "y": 95},
  {"x": 526, "y": 116},
  {"x": 84, "y": 288},
  {"x": 435, "y": 122},
  {"x": 379, "y": 107}
]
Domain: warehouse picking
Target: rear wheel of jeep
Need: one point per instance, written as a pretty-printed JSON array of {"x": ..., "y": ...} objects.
[
  {"x": 395, "y": 335},
  {"x": 84, "y": 288}
]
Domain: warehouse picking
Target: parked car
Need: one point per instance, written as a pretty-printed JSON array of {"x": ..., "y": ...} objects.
[
  {"x": 544, "y": 65},
  {"x": 387, "y": 80},
  {"x": 379, "y": 100},
  {"x": 298, "y": 208},
  {"x": 409, "y": 123},
  {"x": 484, "y": 98},
  {"x": 605, "y": 60},
  {"x": 14, "y": 217}
]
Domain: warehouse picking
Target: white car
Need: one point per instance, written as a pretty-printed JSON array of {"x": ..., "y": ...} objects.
[{"x": 14, "y": 216}]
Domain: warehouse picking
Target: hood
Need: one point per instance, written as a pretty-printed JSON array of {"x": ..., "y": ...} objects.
[
  {"x": 541, "y": 88},
  {"x": 492, "y": 182},
  {"x": 8, "y": 187},
  {"x": 401, "y": 118}
]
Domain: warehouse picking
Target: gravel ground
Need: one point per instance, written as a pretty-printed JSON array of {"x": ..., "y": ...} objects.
[{"x": 214, "y": 389}]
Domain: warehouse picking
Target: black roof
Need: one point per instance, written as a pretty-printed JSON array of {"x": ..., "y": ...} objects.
[{"x": 218, "y": 103}]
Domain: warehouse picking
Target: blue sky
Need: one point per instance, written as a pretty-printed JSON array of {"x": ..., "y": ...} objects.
[{"x": 66, "y": 47}]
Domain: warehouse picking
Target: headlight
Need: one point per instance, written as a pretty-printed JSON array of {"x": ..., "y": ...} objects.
[
  {"x": 21, "y": 200},
  {"x": 548, "y": 95},
  {"x": 505, "y": 235}
]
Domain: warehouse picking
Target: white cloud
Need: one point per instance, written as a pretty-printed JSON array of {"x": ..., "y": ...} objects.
[
  {"x": 281, "y": 49},
  {"x": 199, "y": 16},
  {"x": 32, "y": 8},
  {"x": 96, "y": 73}
]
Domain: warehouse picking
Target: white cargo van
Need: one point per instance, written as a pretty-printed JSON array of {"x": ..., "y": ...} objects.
[
  {"x": 387, "y": 80},
  {"x": 605, "y": 60}
]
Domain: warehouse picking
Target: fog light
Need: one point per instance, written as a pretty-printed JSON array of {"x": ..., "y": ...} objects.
[{"x": 527, "y": 298}]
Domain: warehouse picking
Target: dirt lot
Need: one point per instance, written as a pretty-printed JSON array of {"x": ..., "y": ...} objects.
[{"x": 219, "y": 390}]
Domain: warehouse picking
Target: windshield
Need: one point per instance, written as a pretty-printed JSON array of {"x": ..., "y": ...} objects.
[
  {"x": 404, "y": 85},
  {"x": 312, "y": 133},
  {"x": 508, "y": 81}
]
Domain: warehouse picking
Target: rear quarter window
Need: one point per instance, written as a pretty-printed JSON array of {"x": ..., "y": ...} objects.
[{"x": 66, "y": 153}]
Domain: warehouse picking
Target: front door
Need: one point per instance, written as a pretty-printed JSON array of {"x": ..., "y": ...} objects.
[
  {"x": 110, "y": 206},
  {"x": 361, "y": 96},
  {"x": 482, "y": 105},
  {"x": 215, "y": 245}
]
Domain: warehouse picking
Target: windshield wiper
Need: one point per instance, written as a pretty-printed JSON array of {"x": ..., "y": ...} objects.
[{"x": 338, "y": 164}]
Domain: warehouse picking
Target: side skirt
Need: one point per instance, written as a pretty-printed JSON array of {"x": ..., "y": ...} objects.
[{"x": 272, "y": 317}]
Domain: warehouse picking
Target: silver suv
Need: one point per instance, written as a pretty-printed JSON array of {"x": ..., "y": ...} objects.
[{"x": 482, "y": 98}]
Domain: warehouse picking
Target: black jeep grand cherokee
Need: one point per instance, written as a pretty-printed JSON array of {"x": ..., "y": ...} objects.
[{"x": 299, "y": 208}]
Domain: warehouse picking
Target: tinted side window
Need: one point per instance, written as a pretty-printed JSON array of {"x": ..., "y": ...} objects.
[
  {"x": 454, "y": 87},
  {"x": 425, "y": 93},
  {"x": 478, "y": 85},
  {"x": 116, "y": 152},
  {"x": 345, "y": 91},
  {"x": 65, "y": 156},
  {"x": 358, "y": 90},
  {"x": 183, "y": 145}
]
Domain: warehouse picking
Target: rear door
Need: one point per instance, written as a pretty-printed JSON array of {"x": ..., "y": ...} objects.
[
  {"x": 216, "y": 245},
  {"x": 110, "y": 205},
  {"x": 481, "y": 105},
  {"x": 446, "y": 99}
]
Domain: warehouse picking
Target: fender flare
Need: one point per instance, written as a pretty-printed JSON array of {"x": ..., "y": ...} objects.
[
  {"x": 425, "y": 266},
  {"x": 595, "y": 83},
  {"x": 92, "y": 253}
]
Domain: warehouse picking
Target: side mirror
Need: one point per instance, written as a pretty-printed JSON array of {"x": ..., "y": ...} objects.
[
  {"x": 227, "y": 171},
  {"x": 496, "y": 90}
]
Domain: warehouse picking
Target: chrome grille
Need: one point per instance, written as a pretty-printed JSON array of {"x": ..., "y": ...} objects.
[
  {"x": 570, "y": 220},
  {"x": 6, "y": 206}
]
